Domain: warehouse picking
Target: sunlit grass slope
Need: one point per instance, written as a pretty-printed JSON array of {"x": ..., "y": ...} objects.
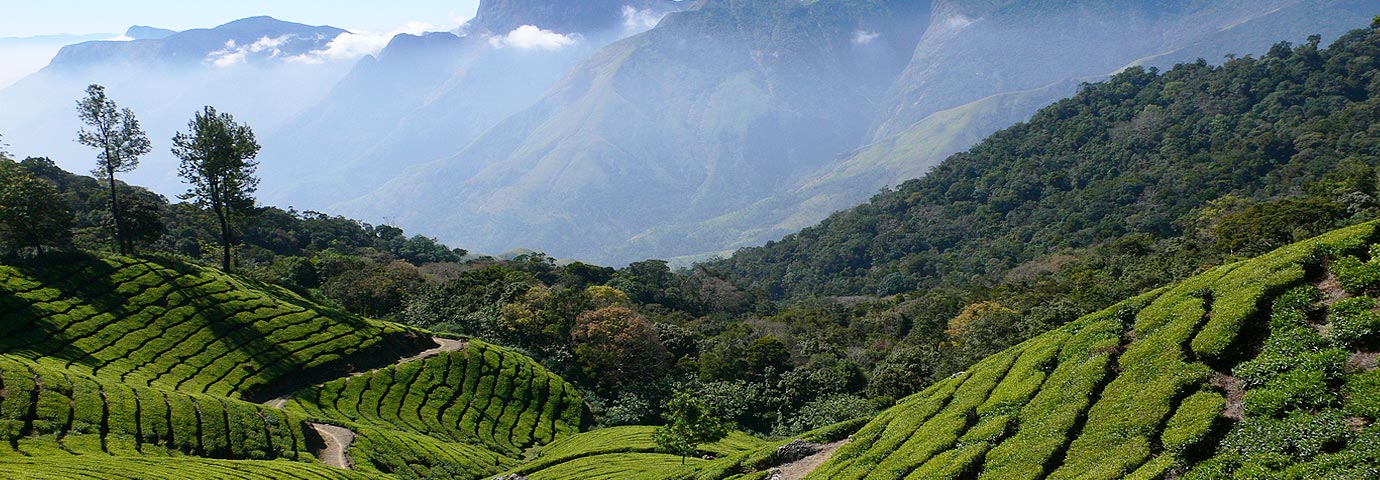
[
  {"x": 483, "y": 395},
  {"x": 1257, "y": 369},
  {"x": 153, "y": 322}
]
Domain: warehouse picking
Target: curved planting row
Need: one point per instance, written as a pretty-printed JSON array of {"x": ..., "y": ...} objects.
[
  {"x": 411, "y": 455},
  {"x": 484, "y": 395},
  {"x": 155, "y": 322},
  {"x": 47, "y": 411},
  {"x": 175, "y": 468},
  {"x": 1243, "y": 371},
  {"x": 618, "y": 441}
]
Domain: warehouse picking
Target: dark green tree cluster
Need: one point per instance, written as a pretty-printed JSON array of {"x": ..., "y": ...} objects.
[{"x": 32, "y": 214}]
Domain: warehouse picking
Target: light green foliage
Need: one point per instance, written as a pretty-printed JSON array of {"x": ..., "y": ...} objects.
[
  {"x": 1148, "y": 413},
  {"x": 689, "y": 423},
  {"x": 485, "y": 395},
  {"x": 418, "y": 456},
  {"x": 154, "y": 322},
  {"x": 177, "y": 468},
  {"x": 94, "y": 415},
  {"x": 1154, "y": 371},
  {"x": 1192, "y": 422},
  {"x": 1354, "y": 320},
  {"x": 1363, "y": 395},
  {"x": 632, "y": 440},
  {"x": 1357, "y": 275}
]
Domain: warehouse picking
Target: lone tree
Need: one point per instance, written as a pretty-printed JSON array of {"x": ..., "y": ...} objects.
[
  {"x": 32, "y": 213},
  {"x": 218, "y": 161},
  {"x": 118, "y": 140},
  {"x": 689, "y": 423}
]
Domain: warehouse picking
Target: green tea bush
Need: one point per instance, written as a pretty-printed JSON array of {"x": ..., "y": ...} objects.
[{"x": 1192, "y": 422}]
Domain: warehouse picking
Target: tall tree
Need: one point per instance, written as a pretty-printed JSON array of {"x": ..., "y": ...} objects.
[
  {"x": 218, "y": 161},
  {"x": 32, "y": 213},
  {"x": 118, "y": 140}
]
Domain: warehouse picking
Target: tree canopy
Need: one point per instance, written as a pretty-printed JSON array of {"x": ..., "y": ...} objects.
[
  {"x": 119, "y": 141},
  {"x": 218, "y": 161}
]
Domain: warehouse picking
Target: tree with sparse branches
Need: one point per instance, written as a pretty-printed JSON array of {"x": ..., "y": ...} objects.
[
  {"x": 690, "y": 422},
  {"x": 218, "y": 161},
  {"x": 118, "y": 140}
]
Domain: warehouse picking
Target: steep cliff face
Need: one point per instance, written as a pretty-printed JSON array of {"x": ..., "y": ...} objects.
[{"x": 697, "y": 117}]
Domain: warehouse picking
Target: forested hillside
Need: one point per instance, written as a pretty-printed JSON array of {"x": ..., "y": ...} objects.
[{"x": 1218, "y": 160}]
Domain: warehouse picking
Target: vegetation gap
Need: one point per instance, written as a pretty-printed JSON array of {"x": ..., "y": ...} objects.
[
  {"x": 71, "y": 415},
  {"x": 229, "y": 439},
  {"x": 167, "y": 407},
  {"x": 1109, "y": 373},
  {"x": 454, "y": 396},
  {"x": 105, "y": 417},
  {"x": 138, "y": 421},
  {"x": 479, "y": 420},
  {"x": 200, "y": 444},
  {"x": 426, "y": 399}
]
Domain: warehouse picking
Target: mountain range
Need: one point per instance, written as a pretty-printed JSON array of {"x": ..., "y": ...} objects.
[{"x": 618, "y": 130}]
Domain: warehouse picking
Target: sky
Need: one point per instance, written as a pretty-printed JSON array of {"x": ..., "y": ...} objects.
[
  {"x": 376, "y": 20},
  {"x": 25, "y": 18}
]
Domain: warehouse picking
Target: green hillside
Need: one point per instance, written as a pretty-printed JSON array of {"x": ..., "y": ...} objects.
[
  {"x": 1258, "y": 369},
  {"x": 485, "y": 395},
  {"x": 1207, "y": 160},
  {"x": 144, "y": 368},
  {"x": 180, "y": 327},
  {"x": 68, "y": 468}
]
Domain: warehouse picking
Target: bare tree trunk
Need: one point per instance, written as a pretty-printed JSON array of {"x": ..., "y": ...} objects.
[
  {"x": 115, "y": 207},
  {"x": 224, "y": 237}
]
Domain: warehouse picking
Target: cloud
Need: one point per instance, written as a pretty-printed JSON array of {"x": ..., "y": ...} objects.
[
  {"x": 864, "y": 37},
  {"x": 234, "y": 54},
  {"x": 353, "y": 45},
  {"x": 530, "y": 37},
  {"x": 638, "y": 21}
]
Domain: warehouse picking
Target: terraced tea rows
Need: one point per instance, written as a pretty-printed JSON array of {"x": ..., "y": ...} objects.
[
  {"x": 1149, "y": 387},
  {"x": 627, "y": 452},
  {"x": 174, "y": 468},
  {"x": 51, "y": 412},
  {"x": 418, "y": 456},
  {"x": 483, "y": 395},
  {"x": 177, "y": 326}
]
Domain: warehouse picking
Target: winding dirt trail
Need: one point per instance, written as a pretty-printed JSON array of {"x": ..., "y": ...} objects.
[
  {"x": 338, "y": 440},
  {"x": 800, "y": 468}
]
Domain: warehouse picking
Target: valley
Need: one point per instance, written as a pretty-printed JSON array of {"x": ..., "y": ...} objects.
[{"x": 852, "y": 239}]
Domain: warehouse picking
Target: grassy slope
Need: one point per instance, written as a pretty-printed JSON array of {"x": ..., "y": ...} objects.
[
  {"x": 138, "y": 367},
  {"x": 153, "y": 322},
  {"x": 485, "y": 395},
  {"x": 1138, "y": 390}
]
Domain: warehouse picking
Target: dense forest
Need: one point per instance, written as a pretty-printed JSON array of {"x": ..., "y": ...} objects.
[{"x": 1131, "y": 184}]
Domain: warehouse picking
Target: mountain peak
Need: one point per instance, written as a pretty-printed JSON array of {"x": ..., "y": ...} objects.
[{"x": 144, "y": 32}]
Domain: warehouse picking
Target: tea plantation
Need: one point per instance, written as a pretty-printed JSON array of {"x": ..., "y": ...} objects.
[
  {"x": 146, "y": 367},
  {"x": 163, "y": 323},
  {"x": 151, "y": 368},
  {"x": 1258, "y": 369}
]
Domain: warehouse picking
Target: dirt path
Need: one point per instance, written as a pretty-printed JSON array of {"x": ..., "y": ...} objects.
[
  {"x": 800, "y": 468},
  {"x": 338, "y": 440},
  {"x": 443, "y": 345}
]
